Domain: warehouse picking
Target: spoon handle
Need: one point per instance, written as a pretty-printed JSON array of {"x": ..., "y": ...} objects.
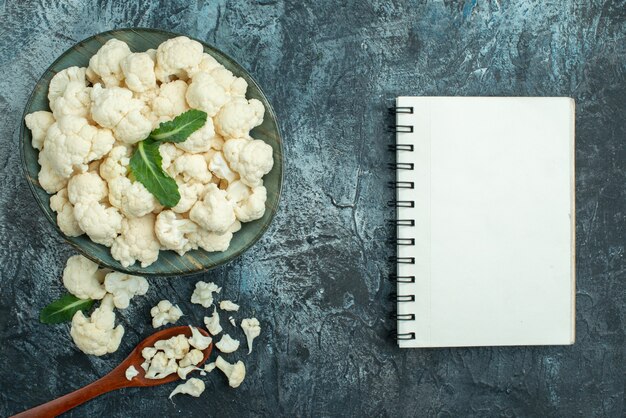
[{"x": 111, "y": 381}]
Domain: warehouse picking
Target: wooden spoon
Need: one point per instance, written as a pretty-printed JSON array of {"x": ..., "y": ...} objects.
[{"x": 116, "y": 379}]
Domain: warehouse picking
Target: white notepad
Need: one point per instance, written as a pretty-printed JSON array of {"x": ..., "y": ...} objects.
[{"x": 493, "y": 256}]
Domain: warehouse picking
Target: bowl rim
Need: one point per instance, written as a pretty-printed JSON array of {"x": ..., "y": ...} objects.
[{"x": 270, "y": 109}]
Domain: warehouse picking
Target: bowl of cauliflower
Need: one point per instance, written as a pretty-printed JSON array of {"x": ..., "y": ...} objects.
[{"x": 152, "y": 153}]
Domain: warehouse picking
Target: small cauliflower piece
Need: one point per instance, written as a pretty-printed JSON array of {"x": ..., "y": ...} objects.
[
  {"x": 86, "y": 187},
  {"x": 205, "y": 93},
  {"x": 176, "y": 347},
  {"x": 131, "y": 372},
  {"x": 102, "y": 224},
  {"x": 65, "y": 214},
  {"x": 60, "y": 81},
  {"x": 212, "y": 323},
  {"x": 48, "y": 178},
  {"x": 97, "y": 335},
  {"x": 210, "y": 241},
  {"x": 189, "y": 195},
  {"x": 209, "y": 367},
  {"x": 138, "y": 70},
  {"x": 83, "y": 278},
  {"x": 227, "y": 305},
  {"x": 169, "y": 153},
  {"x": 124, "y": 287},
  {"x": 116, "y": 163},
  {"x": 192, "y": 358},
  {"x": 161, "y": 366},
  {"x": 237, "y": 117},
  {"x": 214, "y": 212},
  {"x": 184, "y": 371},
  {"x": 227, "y": 344},
  {"x": 148, "y": 352},
  {"x": 170, "y": 229},
  {"x": 234, "y": 372},
  {"x": 106, "y": 63},
  {"x": 39, "y": 122},
  {"x": 75, "y": 101},
  {"x": 203, "y": 293},
  {"x": 202, "y": 140},
  {"x": 252, "y": 159},
  {"x": 252, "y": 329},
  {"x": 176, "y": 57},
  {"x": 192, "y": 167},
  {"x": 137, "y": 242},
  {"x": 219, "y": 167},
  {"x": 193, "y": 387},
  {"x": 131, "y": 198},
  {"x": 232, "y": 321},
  {"x": 170, "y": 100},
  {"x": 198, "y": 340},
  {"x": 165, "y": 313},
  {"x": 206, "y": 65},
  {"x": 145, "y": 365},
  {"x": 249, "y": 202},
  {"x": 234, "y": 86}
]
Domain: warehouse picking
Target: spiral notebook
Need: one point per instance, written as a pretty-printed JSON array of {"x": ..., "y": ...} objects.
[{"x": 485, "y": 221}]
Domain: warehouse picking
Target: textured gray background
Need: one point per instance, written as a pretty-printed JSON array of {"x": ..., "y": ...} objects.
[{"x": 317, "y": 279}]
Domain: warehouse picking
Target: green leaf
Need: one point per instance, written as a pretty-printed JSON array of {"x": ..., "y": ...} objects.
[
  {"x": 63, "y": 309},
  {"x": 145, "y": 165},
  {"x": 181, "y": 127}
]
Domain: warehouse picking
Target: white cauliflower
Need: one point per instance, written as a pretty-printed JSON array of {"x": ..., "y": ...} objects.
[
  {"x": 205, "y": 93},
  {"x": 214, "y": 212},
  {"x": 221, "y": 169},
  {"x": 102, "y": 224},
  {"x": 131, "y": 372},
  {"x": 212, "y": 323},
  {"x": 176, "y": 57},
  {"x": 39, "y": 122},
  {"x": 176, "y": 347},
  {"x": 106, "y": 63},
  {"x": 198, "y": 340},
  {"x": 59, "y": 82},
  {"x": 192, "y": 167},
  {"x": 131, "y": 198},
  {"x": 148, "y": 352},
  {"x": 237, "y": 117},
  {"x": 228, "y": 305},
  {"x": 209, "y": 367},
  {"x": 182, "y": 372},
  {"x": 165, "y": 313},
  {"x": 83, "y": 278},
  {"x": 249, "y": 202},
  {"x": 161, "y": 366},
  {"x": 203, "y": 293},
  {"x": 65, "y": 214},
  {"x": 252, "y": 159},
  {"x": 48, "y": 178},
  {"x": 234, "y": 372},
  {"x": 97, "y": 335},
  {"x": 170, "y": 102},
  {"x": 193, "y": 387},
  {"x": 170, "y": 229},
  {"x": 138, "y": 70},
  {"x": 252, "y": 328},
  {"x": 210, "y": 241},
  {"x": 137, "y": 242},
  {"x": 202, "y": 140},
  {"x": 206, "y": 65},
  {"x": 71, "y": 143},
  {"x": 189, "y": 195},
  {"x": 124, "y": 287},
  {"x": 234, "y": 86},
  {"x": 192, "y": 358},
  {"x": 116, "y": 163},
  {"x": 169, "y": 153},
  {"x": 75, "y": 101},
  {"x": 227, "y": 344},
  {"x": 86, "y": 187}
]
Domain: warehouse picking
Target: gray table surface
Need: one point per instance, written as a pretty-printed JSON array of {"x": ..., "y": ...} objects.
[{"x": 317, "y": 280}]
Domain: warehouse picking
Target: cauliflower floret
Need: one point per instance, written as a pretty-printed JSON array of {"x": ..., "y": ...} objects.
[
  {"x": 209, "y": 367},
  {"x": 211, "y": 241},
  {"x": 234, "y": 372},
  {"x": 212, "y": 323},
  {"x": 165, "y": 313},
  {"x": 65, "y": 214},
  {"x": 189, "y": 195},
  {"x": 198, "y": 340},
  {"x": 176, "y": 347},
  {"x": 202, "y": 140},
  {"x": 252, "y": 329},
  {"x": 39, "y": 122},
  {"x": 106, "y": 63},
  {"x": 203, "y": 293},
  {"x": 192, "y": 167},
  {"x": 219, "y": 167},
  {"x": 169, "y": 153},
  {"x": 49, "y": 179},
  {"x": 148, "y": 352},
  {"x": 131, "y": 372},
  {"x": 131, "y": 198},
  {"x": 161, "y": 366},
  {"x": 86, "y": 187},
  {"x": 102, "y": 224},
  {"x": 234, "y": 86},
  {"x": 59, "y": 82},
  {"x": 137, "y": 242},
  {"x": 138, "y": 69},
  {"x": 176, "y": 57},
  {"x": 71, "y": 143},
  {"x": 75, "y": 101},
  {"x": 98, "y": 334},
  {"x": 205, "y": 93},
  {"x": 214, "y": 212},
  {"x": 193, "y": 387},
  {"x": 192, "y": 358},
  {"x": 116, "y": 163},
  {"x": 252, "y": 159},
  {"x": 83, "y": 279},
  {"x": 170, "y": 229},
  {"x": 123, "y": 287},
  {"x": 228, "y": 305},
  {"x": 170, "y": 102},
  {"x": 249, "y": 203},
  {"x": 227, "y": 344},
  {"x": 237, "y": 117},
  {"x": 206, "y": 65}
]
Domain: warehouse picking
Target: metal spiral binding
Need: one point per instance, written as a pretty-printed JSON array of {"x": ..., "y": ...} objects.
[{"x": 396, "y": 203}]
